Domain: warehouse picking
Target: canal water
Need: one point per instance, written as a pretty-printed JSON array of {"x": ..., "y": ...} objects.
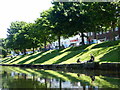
[{"x": 15, "y": 77}]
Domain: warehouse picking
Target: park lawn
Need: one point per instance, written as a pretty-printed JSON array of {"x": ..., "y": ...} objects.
[{"x": 103, "y": 52}]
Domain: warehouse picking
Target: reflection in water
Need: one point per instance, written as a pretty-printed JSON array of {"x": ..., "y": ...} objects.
[
  {"x": 14, "y": 77},
  {"x": 92, "y": 78}
]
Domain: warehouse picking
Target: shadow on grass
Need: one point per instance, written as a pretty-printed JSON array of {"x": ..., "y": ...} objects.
[
  {"x": 29, "y": 58},
  {"x": 82, "y": 47},
  {"x": 7, "y": 60},
  {"x": 58, "y": 52},
  {"x": 48, "y": 56},
  {"x": 17, "y": 59},
  {"x": 112, "y": 56},
  {"x": 106, "y": 44},
  {"x": 70, "y": 55}
]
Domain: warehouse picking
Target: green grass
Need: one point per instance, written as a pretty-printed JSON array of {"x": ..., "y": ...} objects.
[{"x": 103, "y": 52}]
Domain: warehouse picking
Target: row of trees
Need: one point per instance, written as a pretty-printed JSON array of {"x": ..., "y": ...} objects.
[{"x": 63, "y": 19}]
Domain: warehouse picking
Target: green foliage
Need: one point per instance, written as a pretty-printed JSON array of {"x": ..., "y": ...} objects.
[
  {"x": 63, "y": 19},
  {"x": 16, "y": 36},
  {"x": 3, "y": 52},
  {"x": 44, "y": 29}
]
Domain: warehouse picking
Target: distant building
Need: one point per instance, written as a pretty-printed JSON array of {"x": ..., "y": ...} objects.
[
  {"x": 105, "y": 36},
  {"x": 71, "y": 41}
]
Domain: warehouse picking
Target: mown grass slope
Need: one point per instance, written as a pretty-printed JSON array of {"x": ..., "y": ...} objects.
[{"x": 103, "y": 52}]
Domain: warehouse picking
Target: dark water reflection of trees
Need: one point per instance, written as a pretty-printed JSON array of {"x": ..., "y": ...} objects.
[{"x": 14, "y": 77}]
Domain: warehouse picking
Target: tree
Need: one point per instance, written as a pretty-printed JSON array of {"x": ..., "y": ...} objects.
[
  {"x": 70, "y": 18},
  {"x": 57, "y": 19},
  {"x": 103, "y": 16},
  {"x": 3, "y": 50},
  {"x": 31, "y": 35},
  {"x": 43, "y": 27},
  {"x": 90, "y": 17},
  {"x": 16, "y": 39}
]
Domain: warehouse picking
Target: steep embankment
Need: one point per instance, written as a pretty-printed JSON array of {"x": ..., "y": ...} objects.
[{"x": 103, "y": 52}]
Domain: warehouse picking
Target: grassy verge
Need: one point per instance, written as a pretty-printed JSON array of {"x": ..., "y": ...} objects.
[{"x": 103, "y": 52}]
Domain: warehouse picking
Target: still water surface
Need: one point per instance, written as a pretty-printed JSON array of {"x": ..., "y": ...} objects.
[{"x": 15, "y": 77}]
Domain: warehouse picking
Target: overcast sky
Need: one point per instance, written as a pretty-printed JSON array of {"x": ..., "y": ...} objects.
[{"x": 20, "y": 10}]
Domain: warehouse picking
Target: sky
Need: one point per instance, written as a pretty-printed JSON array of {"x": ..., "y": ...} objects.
[{"x": 20, "y": 10}]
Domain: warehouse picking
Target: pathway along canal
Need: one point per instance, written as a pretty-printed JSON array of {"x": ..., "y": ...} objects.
[{"x": 16, "y": 77}]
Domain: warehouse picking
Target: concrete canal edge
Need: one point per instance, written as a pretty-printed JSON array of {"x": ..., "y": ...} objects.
[{"x": 90, "y": 65}]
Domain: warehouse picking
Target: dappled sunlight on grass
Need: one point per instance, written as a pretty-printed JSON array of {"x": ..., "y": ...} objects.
[
  {"x": 102, "y": 53},
  {"x": 32, "y": 60},
  {"x": 111, "y": 55},
  {"x": 7, "y": 60},
  {"x": 71, "y": 60},
  {"x": 51, "y": 61},
  {"x": 27, "y": 56},
  {"x": 86, "y": 55},
  {"x": 65, "y": 49},
  {"x": 15, "y": 59},
  {"x": 89, "y": 47},
  {"x": 72, "y": 55}
]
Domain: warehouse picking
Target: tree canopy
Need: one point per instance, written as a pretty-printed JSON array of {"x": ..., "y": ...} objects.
[{"x": 63, "y": 19}]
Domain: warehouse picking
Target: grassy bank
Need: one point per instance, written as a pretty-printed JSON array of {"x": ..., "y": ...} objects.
[{"x": 103, "y": 52}]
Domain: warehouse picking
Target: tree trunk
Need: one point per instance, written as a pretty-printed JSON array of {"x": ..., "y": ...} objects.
[
  {"x": 59, "y": 41},
  {"x": 113, "y": 27},
  {"x": 33, "y": 50},
  {"x": 113, "y": 35},
  {"x": 60, "y": 84},
  {"x": 45, "y": 82},
  {"x": 95, "y": 36},
  {"x": 45, "y": 44},
  {"x": 24, "y": 51},
  {"x": 119, "y": 32},
  {"x": 82, "y": 36}
]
